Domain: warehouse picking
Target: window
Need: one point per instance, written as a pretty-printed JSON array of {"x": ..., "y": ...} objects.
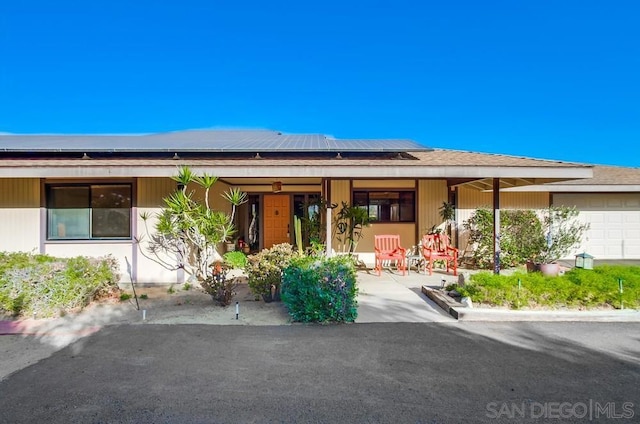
[
  {"x": 387, "y": 206},
  {"x": 90, "y": 211},
  {"x": 307, "y": 208}
]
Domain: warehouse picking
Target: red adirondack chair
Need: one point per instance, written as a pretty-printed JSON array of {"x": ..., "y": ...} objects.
[
  {"x": 436, "y": 247},
  {"x": 387, "y": 248}
]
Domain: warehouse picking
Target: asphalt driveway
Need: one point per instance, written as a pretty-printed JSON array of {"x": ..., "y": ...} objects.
[{"x": 355, "y": 373}]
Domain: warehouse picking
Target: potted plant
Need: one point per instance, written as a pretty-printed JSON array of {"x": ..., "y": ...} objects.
[
  {"x": 448, "y": 214},
  {"x": 244, "y": 246},
  {"x": 235, "y": 197},
  {"x": 562, "y": 231}
]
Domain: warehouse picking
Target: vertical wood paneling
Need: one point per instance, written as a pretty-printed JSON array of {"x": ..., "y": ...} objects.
[
  {"x": 340, "y": 192},
  {"x": 151, "y": 191},
  {"x": 431, "y": 194},
  {"x": 394, "y": 184},
  {"x": 19, "y": 193},
  {"x": 19, "y": 214}
]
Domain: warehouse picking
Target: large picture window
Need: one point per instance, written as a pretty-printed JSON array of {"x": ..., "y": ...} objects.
[
  {"x": 387, "y": 206},
  {"x": 88, "y": 211}
]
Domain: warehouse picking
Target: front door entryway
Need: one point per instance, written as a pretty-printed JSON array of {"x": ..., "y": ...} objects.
[{"x": 277, "y": 215}]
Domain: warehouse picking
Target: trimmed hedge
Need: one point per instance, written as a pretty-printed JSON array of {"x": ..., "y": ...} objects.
[{"x": 321, "y": 289}]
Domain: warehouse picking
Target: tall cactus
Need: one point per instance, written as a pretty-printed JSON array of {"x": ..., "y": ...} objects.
[{"x": 297, "y": 228}]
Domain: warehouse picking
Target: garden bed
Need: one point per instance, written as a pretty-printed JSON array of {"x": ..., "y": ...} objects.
[{"x": 606, "y": 287}]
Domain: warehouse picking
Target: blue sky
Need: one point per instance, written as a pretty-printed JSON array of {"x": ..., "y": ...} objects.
[{"x": 548, "y": 79}]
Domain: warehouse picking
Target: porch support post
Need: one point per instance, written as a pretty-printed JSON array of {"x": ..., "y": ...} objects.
[
  {"x": 329, "y": 236},
  {"x": 496, "y": 226}
]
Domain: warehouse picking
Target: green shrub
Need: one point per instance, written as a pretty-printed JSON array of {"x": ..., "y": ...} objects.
[
  {"x": 49, "y": 286},
  {"x": 521, "y": 237},
  {"x": 264, "y": 269},
  {"x": 578, "y": 288},
  {"x": 219, "y": 286},
  {"x": 235, "y": 260},
  {"x": 321, "y": 289}
]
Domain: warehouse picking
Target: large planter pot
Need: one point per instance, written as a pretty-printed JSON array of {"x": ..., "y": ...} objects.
[
  {"x": 550, "y": 270},
  {"x": 533, "y": 267}
]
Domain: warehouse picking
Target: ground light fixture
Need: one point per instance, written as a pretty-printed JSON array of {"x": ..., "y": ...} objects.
[{"x": 584, "y": 261}]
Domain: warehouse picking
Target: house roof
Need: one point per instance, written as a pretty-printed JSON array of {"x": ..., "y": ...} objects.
[
  {"x": 201, "y": 141},
  {"x": 242, "y": 154}
]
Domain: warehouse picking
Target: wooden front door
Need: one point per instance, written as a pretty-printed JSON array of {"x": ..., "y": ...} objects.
[{"x": 277, "y": 216}]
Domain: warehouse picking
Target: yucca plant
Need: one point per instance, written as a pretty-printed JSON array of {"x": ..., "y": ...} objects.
[{"x": 186, "y": 232}]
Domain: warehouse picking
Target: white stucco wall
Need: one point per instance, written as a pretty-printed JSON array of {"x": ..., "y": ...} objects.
[{"x": 20, "y": 215}]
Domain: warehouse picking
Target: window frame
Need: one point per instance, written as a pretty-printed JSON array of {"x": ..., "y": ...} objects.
[
  {"x": 367, "y": 192},
  {"x": 90, "y": 186}
]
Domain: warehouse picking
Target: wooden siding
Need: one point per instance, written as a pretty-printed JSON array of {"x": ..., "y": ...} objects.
[
  {"x": 19, "y": 193},
  {"x": 286, "y": 188},
  {"x": 340, "y": 192},
  {"x": 394, "y": 184},
  {"x": 19, "y": 214},
  {"x": 431, "y": 194},
  {"x": 151, "y": 191}
]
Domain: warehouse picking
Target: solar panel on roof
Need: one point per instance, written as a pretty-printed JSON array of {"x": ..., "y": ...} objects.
[{"x": 201, "y": 141}]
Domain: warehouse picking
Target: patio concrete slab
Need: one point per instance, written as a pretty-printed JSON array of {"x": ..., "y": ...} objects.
[{"x": 392, "y": 297}]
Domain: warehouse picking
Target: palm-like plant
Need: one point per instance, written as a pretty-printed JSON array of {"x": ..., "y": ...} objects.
[
  {"x": 187, "y": 232},
  {"x": 348, "y": 225}
]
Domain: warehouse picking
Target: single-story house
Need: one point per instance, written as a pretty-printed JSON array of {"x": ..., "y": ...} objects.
[{"x": 69, "y": 195}]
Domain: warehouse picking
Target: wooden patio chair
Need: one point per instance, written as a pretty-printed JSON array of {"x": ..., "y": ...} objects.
[
  {"x": 436, "y": 247},
  {"x": 387, "y": 248}
]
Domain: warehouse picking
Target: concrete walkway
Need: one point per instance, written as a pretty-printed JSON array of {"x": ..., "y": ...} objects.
[{"x": 392, "y": 297}]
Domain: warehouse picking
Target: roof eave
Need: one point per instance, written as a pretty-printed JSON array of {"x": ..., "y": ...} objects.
[
  {"x": 337, "y": 170},
  {"x": 578, "y": 188}
]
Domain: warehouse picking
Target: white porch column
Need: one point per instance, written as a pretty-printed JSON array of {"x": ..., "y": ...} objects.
[{"x": 329, "y": 235}]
